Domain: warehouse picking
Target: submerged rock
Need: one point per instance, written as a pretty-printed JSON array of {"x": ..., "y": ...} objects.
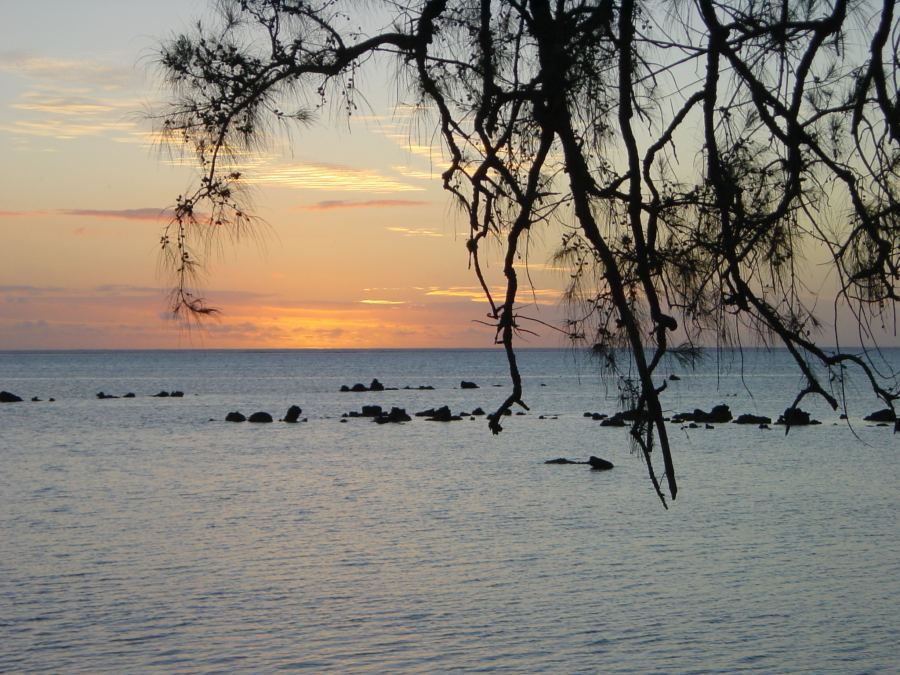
[
  {"x": 235, "y": 417},
  {"x": 395, "y": 416},
  {"x": 884, "y": 415},
  {"x": 293, "y": 414},
  {"x": 563, "y": 460},
  {"x": 260, "y": 417},
  {"x": 795, "y": 417},
  {"x": 598, "y": 464},
  {"x": 747, "y": 418},
  {"x": 720, "y": 414}
]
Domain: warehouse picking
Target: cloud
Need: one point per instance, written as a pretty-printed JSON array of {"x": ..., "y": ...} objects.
[
  {"x": 63, "y": 70},
  {"x": 414, "y": 231},
  {"x": 65, "y": 130},
  {"x": 383, "y": 302},
  {"x": 332, "y": 204},
  {"x": 539, "y": 296},
  {"x": 329, "y": 177},
  {"x": 150, "y": 214}
]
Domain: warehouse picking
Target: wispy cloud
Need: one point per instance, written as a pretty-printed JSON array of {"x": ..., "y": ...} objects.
[
  {"x": 66, "y": 130},
  {"x": 414, "y": 231},
  {"x": 329, "y": 177},
  {"x": 332, "y": 204},
  {"x": 539, "y": 296},
  {"x": 146, "y": 214},
  {"x": 72, "y": 103},
  {"x": 63, "y": 70},
  {"x": 383, "y": 302}
]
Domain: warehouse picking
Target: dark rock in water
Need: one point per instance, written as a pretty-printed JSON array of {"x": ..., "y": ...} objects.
[
  {"x": 614, "y": 421},
  {"x": 720, "y": 414},
  {"x": 467, "y": 385},
  {"x": 235, "y": 417},
  {"x": 345, "y": 388},
  {"x": 103, "y": 396},
  {"x": 7, "y": 397},
  {"x": 342, "y": 421},
  {"x": 693, "y": 425},
  {"x": 293, "y": 414},
  {"x": 443, "y": 414},
  {"x": 260, "y": 417},
  {"x": 589, "y": 414},
  {"x": 709, "y": 426},
  {"x": 884, "y": 415},
  {"x": 795, "y": 417},
  {"x": 478, "y": 412},
  {"x": 747, "y": 418},
  {"x": 176, "y": 394},
  {"x": 52, "y": 400},
  {"x": 843, "y": 416},
  {"x": 563, "y": 460},
  {"x": 674, "y": 378},
  {"x": 359, "y": 387},
  {"x": 376, "y": 386},
  {"x": 371, "y": 410},
  {"x": 35, "y": 399},
  {"x": 598, "y": 464},
  {"x": 395, "y": 416},
  {"x": 763, "y": 426},
  {"x": 162, "y": 394},
  {"x": 425, "y": 413},
  {"x": 130, "y": 394},
  {"x": 521, "y": 412}
]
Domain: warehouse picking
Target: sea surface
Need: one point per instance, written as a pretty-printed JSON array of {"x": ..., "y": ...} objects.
[{"x": 149, "y": 535}]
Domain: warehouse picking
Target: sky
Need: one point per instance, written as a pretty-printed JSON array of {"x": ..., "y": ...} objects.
[{"x": 359, "y": 247}]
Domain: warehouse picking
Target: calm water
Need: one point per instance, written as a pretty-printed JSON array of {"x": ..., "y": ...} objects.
[{"x": 139, "y": 535}]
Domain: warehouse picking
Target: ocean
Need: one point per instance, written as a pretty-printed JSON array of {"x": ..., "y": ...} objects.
[{"x": 147, "y": 534}]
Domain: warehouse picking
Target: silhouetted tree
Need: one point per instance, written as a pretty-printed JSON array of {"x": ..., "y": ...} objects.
[{"x": 686, "y": 152}]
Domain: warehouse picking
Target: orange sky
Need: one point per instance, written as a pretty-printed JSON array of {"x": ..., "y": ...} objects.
[{"x": 360, "y": 246}]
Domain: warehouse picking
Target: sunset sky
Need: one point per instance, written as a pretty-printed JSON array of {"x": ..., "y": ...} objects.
[{"x": 360, "y": 248}]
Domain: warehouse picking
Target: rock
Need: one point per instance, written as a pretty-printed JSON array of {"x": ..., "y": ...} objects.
[
  {"x": 52, "y": 400},
  {"x": 614, "y": 421},
  {"x": 130, "y": 394},
  {"x": 35, "y": 399},
  {"x": 7, "y": 397},
  {"x": 235, "y": 417},
  {"x": 359, "y": 387},
  {"x": 162, "y": 394},
  {"x": 763, "y": 426},
  {"x": 260, "y": 417},
  {"x": 443, "y": 414},
  {"x": 598, "y": 464},
  {"x": 674, "y": 378},
  {"x": 293, "y": 414},
  {"x": 478, "y": 412},
  {"x": 345, "y": 388},
  {"x": 795, "y": 417},
  {"x": 563, "y": 460},
  {"x": 720, "y": 414},
  {"x": 176, "y": 394},
  {"x": 589, "y": 414},
  {"x": 395, "y": 416},
  {"x": 467, "y": 385},
  {"x": 884, "y": 415},
  {"x": 371, "y": 410},
  {"x": 376, "y": 386},
  {"x": 103, "y": 396},
  {"x": 747, "y": 418}
]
